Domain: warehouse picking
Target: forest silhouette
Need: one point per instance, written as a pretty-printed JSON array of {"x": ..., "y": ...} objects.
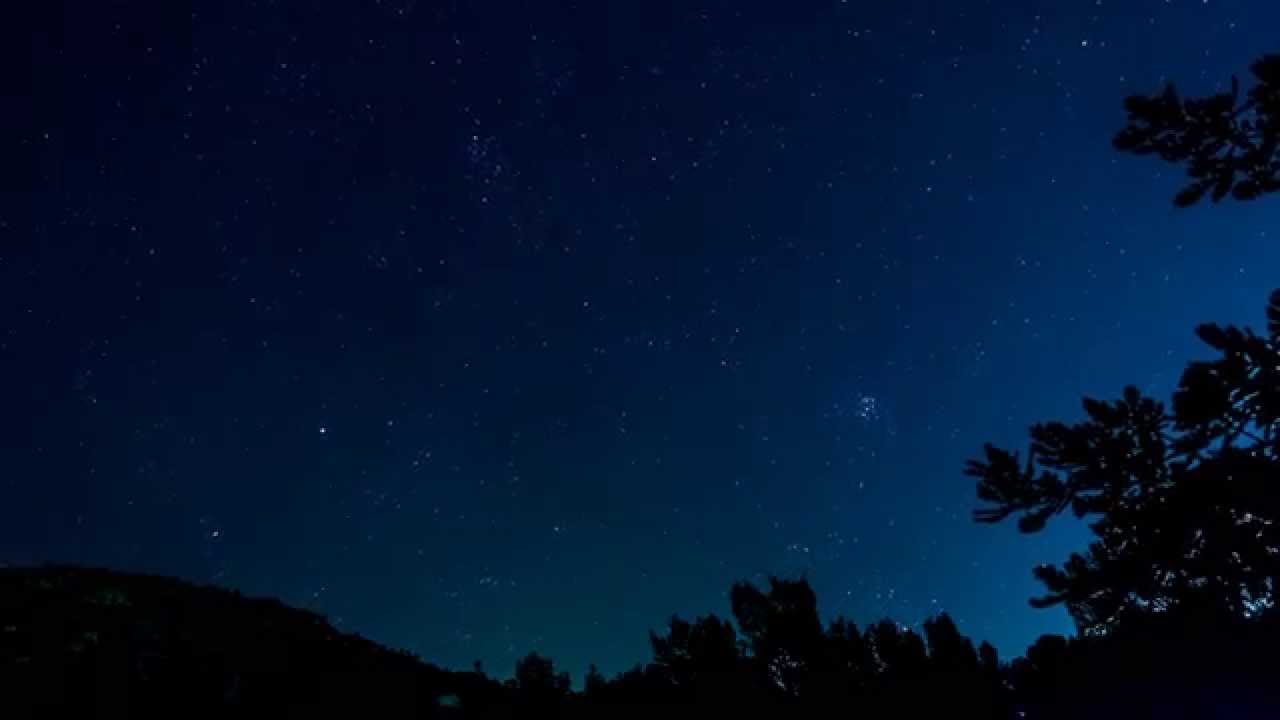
[{"x": 1173, "y": 599}]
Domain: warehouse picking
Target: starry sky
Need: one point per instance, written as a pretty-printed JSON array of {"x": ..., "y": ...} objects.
[{"x": 488, "y": 327}]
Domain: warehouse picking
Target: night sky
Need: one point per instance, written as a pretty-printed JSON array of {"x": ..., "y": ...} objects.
[{"x": 489, "y": 327}]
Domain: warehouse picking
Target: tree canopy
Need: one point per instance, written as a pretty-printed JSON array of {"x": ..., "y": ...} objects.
[
  {"x": 1229, "y": 144},
  {"x": 1182, "y": 505}
]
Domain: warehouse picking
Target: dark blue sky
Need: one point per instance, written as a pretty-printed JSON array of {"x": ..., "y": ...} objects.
[{"x": 490, "y": 327}]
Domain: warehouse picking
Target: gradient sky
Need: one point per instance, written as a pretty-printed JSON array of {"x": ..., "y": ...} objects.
[{"x": 499, "y": 326}]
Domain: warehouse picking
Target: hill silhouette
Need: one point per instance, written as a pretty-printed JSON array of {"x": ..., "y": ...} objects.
[{"x": 78, "y": 642}]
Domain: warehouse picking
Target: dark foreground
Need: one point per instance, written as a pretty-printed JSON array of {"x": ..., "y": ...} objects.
[{"x": 95, "y": 643}]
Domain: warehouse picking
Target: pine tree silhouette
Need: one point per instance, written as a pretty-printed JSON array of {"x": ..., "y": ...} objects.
[
  {"x": 1229, "y": 145},
  {"x": 1183, "y": 506}
]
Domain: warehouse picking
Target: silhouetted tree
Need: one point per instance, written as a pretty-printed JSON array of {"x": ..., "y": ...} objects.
[
  {"x": 1183, "y": 507},
  {"x": 540, "y": 687},
  {"x": 988, "y": 657},
  {"x": 699, "y": 659},
  {"x": 958, "y": 676},
  {"x": 594, "y": 683},
  {"x": 782, "y": 630},
  {"x": 993, "y": 682},
  {"x": 899, "y": 652},
  {"x": 1229, "y": 144},
  {"x": 949, "y": 650},
  {"x": 850, "y": 665}
]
